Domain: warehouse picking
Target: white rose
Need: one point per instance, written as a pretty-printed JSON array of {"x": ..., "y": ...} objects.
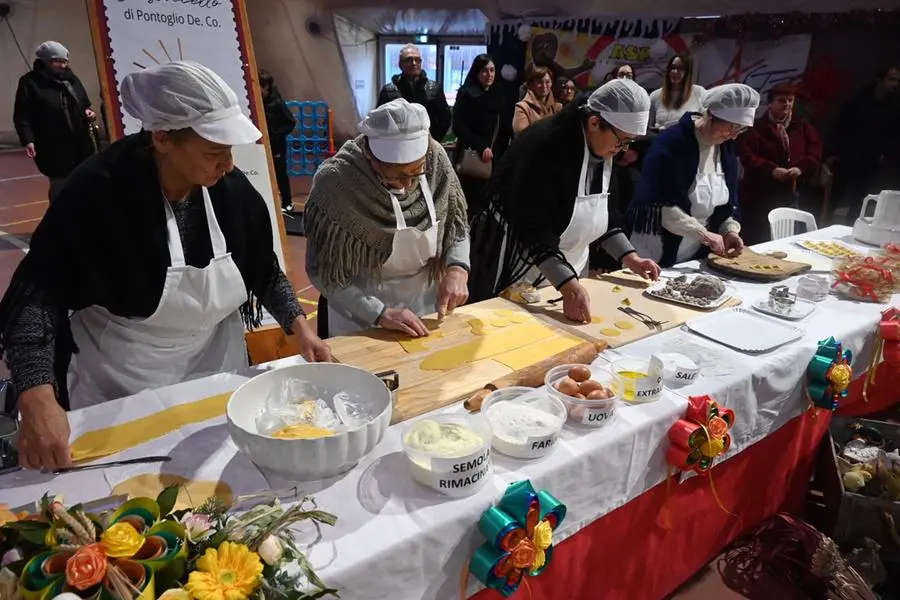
[{"x": 271, "y": 550}]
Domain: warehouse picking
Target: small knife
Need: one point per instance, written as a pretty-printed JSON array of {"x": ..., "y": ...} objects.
[{"x": 115, "y": 463}]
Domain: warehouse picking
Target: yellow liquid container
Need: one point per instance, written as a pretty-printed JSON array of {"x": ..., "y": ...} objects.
[
  {"x": 641, "y": 378},
  {"x": 629, "y": 383}
]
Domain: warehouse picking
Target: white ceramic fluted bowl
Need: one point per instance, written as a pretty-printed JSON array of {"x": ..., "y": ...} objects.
[{"x": 309, "y": 459}]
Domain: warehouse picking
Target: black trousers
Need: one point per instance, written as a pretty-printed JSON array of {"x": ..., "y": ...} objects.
[{"x": 281, "y": 176}]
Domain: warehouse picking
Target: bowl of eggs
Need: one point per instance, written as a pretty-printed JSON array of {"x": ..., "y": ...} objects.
[{"x": 590, "y": 394}]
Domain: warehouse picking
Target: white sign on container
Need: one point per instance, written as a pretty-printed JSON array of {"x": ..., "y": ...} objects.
[
  {"x": 461, "y": 476},
  {"x": 598, "y": 417}
]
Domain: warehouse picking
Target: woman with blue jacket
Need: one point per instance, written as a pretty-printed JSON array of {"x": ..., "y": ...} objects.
[{"x": 686, "y": 203}]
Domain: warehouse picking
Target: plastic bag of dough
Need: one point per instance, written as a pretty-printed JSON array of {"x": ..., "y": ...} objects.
[{"x": 296, "y": 403}]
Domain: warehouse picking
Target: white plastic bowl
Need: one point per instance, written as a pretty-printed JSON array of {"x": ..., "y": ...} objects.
[
  {"x": 587, "y": 413},
  {"x": 532, "y": 446},
  {"x": 309, "y": 459}
]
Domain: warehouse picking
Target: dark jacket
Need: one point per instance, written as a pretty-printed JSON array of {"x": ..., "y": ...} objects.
[
  {"x": 533, "y": 193},
  {"x": 668, "y": 174},
  {"x": 280, "y": 121},
  {"x": 423, "y": 91},
  {"x": 49, "y": 113},
  {"x": 103, "y": 242},
  {"x": 477, "y": 116}
]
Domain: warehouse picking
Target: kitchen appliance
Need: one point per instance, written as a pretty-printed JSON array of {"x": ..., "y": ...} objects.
[{"x": 884, "y": 225}]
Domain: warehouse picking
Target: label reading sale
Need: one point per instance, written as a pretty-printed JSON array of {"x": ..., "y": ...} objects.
[
  {"x": 596, "y": 417},
  {"x": 686, "y": 375},
  {"x": 455, "y": 476}
]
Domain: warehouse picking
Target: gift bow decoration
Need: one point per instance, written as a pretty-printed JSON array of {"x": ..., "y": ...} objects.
[
  {"x": 887, "y": 346},
  {"x": 702, "y": 435},
  {"x": 135, "y": 550},
  {"x": 519, "y": 532},
  {"x": 829, "y": 375}
]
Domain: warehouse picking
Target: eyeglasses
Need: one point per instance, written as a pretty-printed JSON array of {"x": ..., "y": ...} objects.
[
  {"x": 676, "y": 68},
  {"x": 736, "y": 129},
  {"x": 401, "y": 179},
  {"x": 411, "y": 60},
  {"x": 627, "y": 75},
  {"x": 621, "y": 143}
]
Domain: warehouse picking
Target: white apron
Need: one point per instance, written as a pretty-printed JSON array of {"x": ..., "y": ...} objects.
[
  {"x": 710, "y": 191},
  {"x": 195, "y": 331},
  {"x": 590, "y": 220},
  {"x": 404, "y": 282}
]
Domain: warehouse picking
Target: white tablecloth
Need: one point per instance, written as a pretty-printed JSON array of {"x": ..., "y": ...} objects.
[{"x": 395, "y": 539}]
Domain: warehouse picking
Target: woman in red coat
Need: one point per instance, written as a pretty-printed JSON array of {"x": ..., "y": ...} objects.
[{"x": 778, "y": 154}]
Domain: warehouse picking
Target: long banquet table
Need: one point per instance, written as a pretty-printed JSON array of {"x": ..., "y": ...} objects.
[{"x": 626, "y": 535}]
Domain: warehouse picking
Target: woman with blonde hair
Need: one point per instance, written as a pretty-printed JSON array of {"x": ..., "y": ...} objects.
[
  {"x": 678, "y": 94},
  {"x": 539, "y": 102}
]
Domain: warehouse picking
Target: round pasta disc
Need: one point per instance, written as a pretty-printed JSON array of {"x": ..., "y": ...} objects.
[
  {"x": 624, "y": 325},
  {"x": 190, "y": 493}
]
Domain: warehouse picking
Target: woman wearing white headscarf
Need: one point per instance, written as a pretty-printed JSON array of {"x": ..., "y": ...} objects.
[
  {"x": 686, "y": 203},
  {"x": 149, "y": 266},
  {"x": 550, "y": 199},
  {"x": 385, "y": 223}
]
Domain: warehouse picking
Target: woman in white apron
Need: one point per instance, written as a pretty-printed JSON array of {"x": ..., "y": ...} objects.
[
  {"x": 386, "y": 228},
  {"x": 686, "y": 202},
  {"x": 149, "y": 267},
  {"x": 551, "y": 200}
]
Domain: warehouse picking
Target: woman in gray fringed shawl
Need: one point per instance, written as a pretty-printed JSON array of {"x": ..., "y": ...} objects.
[{"x": 386, "y": 228}]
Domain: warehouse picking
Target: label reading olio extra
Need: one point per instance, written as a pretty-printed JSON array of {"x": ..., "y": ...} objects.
[
  {"x": 596, "y": 417},
  {"x": 458, "y": 476},
  {"x": 647, "y": 389}
]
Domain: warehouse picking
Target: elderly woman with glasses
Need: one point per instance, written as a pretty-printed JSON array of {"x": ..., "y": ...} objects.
[
  {"x": 686, "y": 203},
  {"x": 550, "y": 199}
]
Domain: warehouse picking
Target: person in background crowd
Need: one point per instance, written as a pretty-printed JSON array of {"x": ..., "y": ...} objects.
[
  {"x": 413, "y": 85},
  {"x": 621, "y": 72},
  {"x": 481, "y": 123},
  {"x": 862, "y": 142},
  {"x": 565, "y": 90},
  {"x": 678, "y": 94},
  {"x": 550, "y": 198},
  {"x": 687, "y": 198},
  {"x": 538, "y": 102},
  {"x": 387, "y": 236},
  {"x": 280, "y": 122},
  {"x": 779, "y": 153},
  {"x": 52, "y": 115}
]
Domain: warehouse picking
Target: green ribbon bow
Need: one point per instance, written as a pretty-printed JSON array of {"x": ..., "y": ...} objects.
[{"x": 829, "y": 374}]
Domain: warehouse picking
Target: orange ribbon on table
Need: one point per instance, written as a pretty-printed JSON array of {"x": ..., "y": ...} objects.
[
  {"x": 697, "y": 440},
  {"x": 887, "y": 346}
]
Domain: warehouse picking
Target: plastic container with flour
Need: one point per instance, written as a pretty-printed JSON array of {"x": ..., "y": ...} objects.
[
  {"x": 451, "y": 454},
  {"x": 525, "y": 422}
]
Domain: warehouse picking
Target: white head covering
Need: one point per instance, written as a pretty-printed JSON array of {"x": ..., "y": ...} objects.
[
  {"x": 623, "y": 104},
  {"x": 733, "y": 102},
  {"x": 51, "y": 50},
  {"x": 398, "y": 132},
  {"x": 181, "y": 95}
]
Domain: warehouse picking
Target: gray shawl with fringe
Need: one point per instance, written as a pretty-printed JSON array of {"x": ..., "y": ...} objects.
[{"x": 349, "y": 220}]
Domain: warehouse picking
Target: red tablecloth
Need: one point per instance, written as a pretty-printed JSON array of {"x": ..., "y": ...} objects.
[{"x": 629, "y": 555}]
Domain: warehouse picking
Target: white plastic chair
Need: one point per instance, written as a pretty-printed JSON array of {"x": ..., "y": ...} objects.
[{"x": 782, "y": 222}]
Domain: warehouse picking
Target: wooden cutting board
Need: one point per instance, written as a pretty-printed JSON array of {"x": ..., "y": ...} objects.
[
  {"x": 610, "y": 324},
  {"x": 758, "y": 267},
  {"x": 422, "y": 391}
]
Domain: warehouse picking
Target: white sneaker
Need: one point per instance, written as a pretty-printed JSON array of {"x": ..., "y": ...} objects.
[{"x": 289, "y": 209}]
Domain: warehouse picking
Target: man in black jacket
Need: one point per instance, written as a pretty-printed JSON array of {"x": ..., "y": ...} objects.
[
  {"x": 52, "y": 115},
  {"x": 280, "y": 122},
  {"x": 413, "y": 85}
]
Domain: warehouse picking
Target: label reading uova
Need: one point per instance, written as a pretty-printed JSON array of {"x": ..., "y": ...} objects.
[
  {"x": 458, "y": 477},
  {"x": 597, "y": 417}
]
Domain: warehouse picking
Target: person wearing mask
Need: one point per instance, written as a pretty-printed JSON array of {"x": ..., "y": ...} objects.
[
  {"x": 553, "y": 194},
  {"x": 678, "y": 94},
  {"x": 280, "y": 122},
  {"x": 686, "y": 203},
  {"x": 538, "y": 102},
  {"x": 387, "y": 237},
  {"x": 861, "y": 144},
  {"x": 564, "y": 90},
  {"x": 149, "y": 267},
  {"x": 779, "y": 154},
  {"x": 52, "y": 116},
  {"x": 413, "y": 85},
  {"x": 480, "y": 127}
]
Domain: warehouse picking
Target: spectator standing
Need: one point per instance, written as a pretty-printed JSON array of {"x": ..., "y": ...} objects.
[
  {"x": 412, "y": 84},
  {"x": 280, "y": 122}
]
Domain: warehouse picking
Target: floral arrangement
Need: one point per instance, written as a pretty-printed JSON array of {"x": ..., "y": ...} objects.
[{"x": 146, "y": 551}]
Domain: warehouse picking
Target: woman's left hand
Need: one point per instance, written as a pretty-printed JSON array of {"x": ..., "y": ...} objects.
[
  {"x": 453, "y": 290},
  {"x": 487, "y": 155},
  {"x": 91, "y": 115},
  {"x": 733, "y": 244},
  {"x": 645, "y": 267},
  {"x": 312, "y": 348}
]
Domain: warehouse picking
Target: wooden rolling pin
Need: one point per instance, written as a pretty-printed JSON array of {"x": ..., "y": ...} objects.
[{"x": 533, "y": 376}]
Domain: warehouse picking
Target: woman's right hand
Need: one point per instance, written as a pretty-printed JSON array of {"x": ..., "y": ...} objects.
[
  {"x": 403, "y": 320},
  {"x": 576, "y": 302},
  {"x": 714, "y": 242},
  {"x": 30, "y": 152},
  {"x": 43, "y": 430},
  {"x": 487, "y": 155}
]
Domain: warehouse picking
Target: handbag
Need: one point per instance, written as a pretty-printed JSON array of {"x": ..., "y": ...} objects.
[{"x": 470, "y": 163}]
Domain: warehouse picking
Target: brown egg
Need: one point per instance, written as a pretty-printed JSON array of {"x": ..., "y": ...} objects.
[
  {"x": 580, "y": 397},
  {"x": 567, "y": 386},
  {"x": 598, "y": 395},
  {"x": 580, "y": 373},
  {"x": 589, "y": 386}
]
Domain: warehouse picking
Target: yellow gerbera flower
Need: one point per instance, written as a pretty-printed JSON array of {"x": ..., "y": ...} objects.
[{"x": 232, "y": 572}]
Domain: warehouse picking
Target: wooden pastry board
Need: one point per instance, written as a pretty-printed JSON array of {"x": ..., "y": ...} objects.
[
  {"x": 606, "y": 297},
  {"x": 758, "y": 267},
  {"x": 422, "y": 391}
]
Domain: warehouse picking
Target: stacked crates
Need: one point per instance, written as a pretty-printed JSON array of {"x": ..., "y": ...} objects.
[{"x": 312, "y": 140}]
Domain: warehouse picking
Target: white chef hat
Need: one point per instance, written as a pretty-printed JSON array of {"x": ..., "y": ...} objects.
[
  {"x": 398, "y": 132},
  {"x": 51, "y": 50},
  {"x": 623, "y": 104},
  {"x": 181, "y": 95},
  {"x": 733, "y": 102}
]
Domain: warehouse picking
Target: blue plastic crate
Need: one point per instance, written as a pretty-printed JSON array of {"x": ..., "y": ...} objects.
[{"x": 308, "y": 143}]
